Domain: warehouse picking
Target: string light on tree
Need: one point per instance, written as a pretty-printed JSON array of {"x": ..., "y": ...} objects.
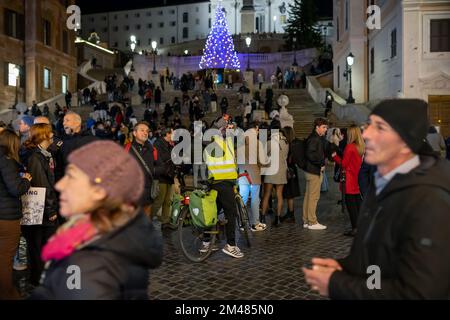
[{"x": 219, "y": 48}]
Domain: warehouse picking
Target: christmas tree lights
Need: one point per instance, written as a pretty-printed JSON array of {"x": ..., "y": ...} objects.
[{"x": 219, "y": 48}]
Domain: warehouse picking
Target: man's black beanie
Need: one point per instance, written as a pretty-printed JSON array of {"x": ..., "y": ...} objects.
[{"x": 408, "y": 117}]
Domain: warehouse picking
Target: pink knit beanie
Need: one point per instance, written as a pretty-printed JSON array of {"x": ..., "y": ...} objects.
[{"x": 112, "y": 168}]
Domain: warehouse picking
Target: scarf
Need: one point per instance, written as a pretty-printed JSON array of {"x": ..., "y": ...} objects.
[{"x": 73, "y": 235}]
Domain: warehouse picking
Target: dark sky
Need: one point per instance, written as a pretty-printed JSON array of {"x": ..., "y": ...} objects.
[{"x": 90, "y": 6}]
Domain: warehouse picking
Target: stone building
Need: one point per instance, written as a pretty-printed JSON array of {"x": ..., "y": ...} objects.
[{"x": 34, "y": 40}]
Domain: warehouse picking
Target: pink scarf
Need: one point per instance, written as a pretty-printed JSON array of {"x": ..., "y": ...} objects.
[{"x": 71, "y": 236}]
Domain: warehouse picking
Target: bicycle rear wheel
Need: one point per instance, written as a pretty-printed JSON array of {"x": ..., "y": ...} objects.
[
  {"x": 243, "y": 220},
  {"x": 191, "y": 238}
]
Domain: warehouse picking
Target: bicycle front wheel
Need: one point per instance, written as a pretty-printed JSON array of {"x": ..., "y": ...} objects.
[
  {"x": 191, "y": 238},
  {"x": 243, "y": 220}
]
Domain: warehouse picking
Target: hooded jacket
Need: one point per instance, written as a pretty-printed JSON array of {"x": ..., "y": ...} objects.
[
  {"x": 113, "y": 267},
  {"x": 405, "y": 231}
]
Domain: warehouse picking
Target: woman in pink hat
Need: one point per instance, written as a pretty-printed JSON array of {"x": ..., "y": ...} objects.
[{"x": 107, "y": 246}]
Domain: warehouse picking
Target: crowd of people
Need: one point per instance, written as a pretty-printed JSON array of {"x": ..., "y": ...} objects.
[{"x": 105, "y": 174}]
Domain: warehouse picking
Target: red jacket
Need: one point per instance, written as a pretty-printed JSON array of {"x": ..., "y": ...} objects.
[{"x": 351, "y": 163}]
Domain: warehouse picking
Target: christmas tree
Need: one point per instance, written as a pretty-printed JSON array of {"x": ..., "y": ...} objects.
[{"x": 219, "y": 48}]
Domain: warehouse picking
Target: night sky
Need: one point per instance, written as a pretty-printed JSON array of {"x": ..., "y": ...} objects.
[{"x": 91, "y": 6}]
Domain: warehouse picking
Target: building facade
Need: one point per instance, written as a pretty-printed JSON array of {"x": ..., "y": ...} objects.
[
  {"x": 175, "y": 24},
  {"x": 164, "y": 24},
  {"x": 37, "y": 51},
  {"x": 409, "y": 56}
]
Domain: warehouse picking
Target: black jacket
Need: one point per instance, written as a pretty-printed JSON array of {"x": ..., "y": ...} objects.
[
  {"x": 315, "y": 153},
  {"x": 41, "y": 169},
  {"x": 12, "y": 186},
  {"x": 114, "y": 267},
  {"x": 146, "y": 153},
  {"x": 74, "y": 142},
  {"x": 164, "y": 167},
  {"x": 405, "y": 230}
]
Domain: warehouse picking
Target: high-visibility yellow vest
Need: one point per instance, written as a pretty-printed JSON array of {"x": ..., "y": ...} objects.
[{"x": 222, "y": 168}]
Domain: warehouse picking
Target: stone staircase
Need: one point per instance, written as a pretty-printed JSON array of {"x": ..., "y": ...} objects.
[{"x": 301, "y": 105}]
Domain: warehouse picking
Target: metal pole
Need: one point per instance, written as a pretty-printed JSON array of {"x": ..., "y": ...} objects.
[
  {"x": 248, "y": 58},
  {"x": 350, "y": 94},
  {"x": 154, "y": 62}
]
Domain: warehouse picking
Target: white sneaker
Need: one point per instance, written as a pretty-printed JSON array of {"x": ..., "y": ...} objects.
[
  {"x": 317, "y": 226},
  {"x": 305, "y": 226},
  {"x": 205, "y": 247},
  {"x": 259, "y": 227},
  {"x": 19, "y": 266},
  {"x": 235, "y": 252}
]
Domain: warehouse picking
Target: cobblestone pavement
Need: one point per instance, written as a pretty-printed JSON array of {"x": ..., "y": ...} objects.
[{"x": 270, "y": 269}]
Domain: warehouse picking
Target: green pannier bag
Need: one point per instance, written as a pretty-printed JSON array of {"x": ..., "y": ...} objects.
[
  {"x": 176, "y": 208},
  {"x": 203, "y": 208}
]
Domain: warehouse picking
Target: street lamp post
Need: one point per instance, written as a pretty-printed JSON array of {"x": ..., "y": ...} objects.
[
  {"x": 133, "y": 43},
  {"x": 154, "y": 44},
  {"x": 274, "y": 23},
  {"x": 348, "y": 72},
  {"x": 294, "y": 41},
  {"x": 248, "y": 41}
]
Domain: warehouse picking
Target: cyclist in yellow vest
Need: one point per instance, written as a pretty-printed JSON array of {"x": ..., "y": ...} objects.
[{"x": 222, "y": 169}]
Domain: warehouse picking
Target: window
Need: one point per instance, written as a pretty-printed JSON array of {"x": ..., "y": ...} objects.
[
  {"x": 127, "y": 28},
  {"x": 149, "y": 14},
  {"x": 105, "y": 30},
  {"x": 160, "y": 13},
  {"x": 149, "y": 41},
  {"x": 149, "y": 26},
  {"x": 138, "y": 42},
  {"x": 91, "y": 19},
  {"x": 440, "y": 35},
  {"x": 92, "y": 30},
  {"x": 338, "y": 76},
  {"x": 393, "y": 43},
  {"x": 185, "y": 17},
  {"x": 64, "y": 83},
  {"x": 47, "y": 32},
  {"x": 209, "y": 23},
  {"x": 197, "y": 21},
  {"x": 126, "y": 16},
  {"x": 283, "y": 19},
  {"x": 196, "y": 9},
  {"x": 185, "y": 32},
  {"x": 161, "y": 24},
  {"x": 104, "y": 18},
  {"x": 65, "y": 41},
  {"x": 115, "y": 17},
  {"x": 14, "y": 24},
  {"x": 115, "y": 28},
  {"x": 116, "y": 44},
  {"x": 10, "y": 74},
  {"x": 173, "y": 23},
  {"x": 126, "y": 43},
  {"x": 161, "y": 40},
  {"x": 138, "y": 27},
  {"x": 172, "y": 40},
  {"x": 172, "y": 11},
  {"x": 137, "y": 15},
  {"x": 209, "y": 8},
  {"x": 346, "y": 15},
  {"x": 372, "y": 60},
  {"x": 47, "y": 78}
]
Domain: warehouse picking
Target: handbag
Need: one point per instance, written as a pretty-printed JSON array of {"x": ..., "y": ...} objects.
[
  {"x": 154, "y": 190},
  {"x": 290, "y": 173}
]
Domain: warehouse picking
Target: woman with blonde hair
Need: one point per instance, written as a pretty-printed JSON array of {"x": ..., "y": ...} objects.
[
  {"x": 107, "y": 236},
  {"x": 40, "y": 164},
  {"x": 351, "y": 163}
]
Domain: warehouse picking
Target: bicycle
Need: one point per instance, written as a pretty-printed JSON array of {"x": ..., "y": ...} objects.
[{"x": 191, "y": 238}]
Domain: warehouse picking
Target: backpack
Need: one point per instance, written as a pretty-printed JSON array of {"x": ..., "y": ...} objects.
[
  {"x": 203, "y": 208},
  {"x": 298, "y": 152}
]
